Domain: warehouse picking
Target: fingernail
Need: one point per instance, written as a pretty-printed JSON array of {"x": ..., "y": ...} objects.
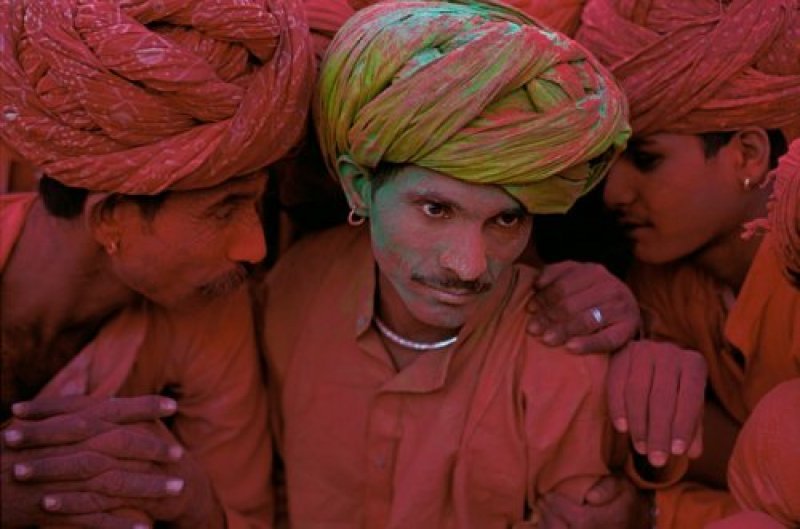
[
  {"x": 141, "y": 526},
  {"x": 535, "y": 328},
  {"x": 592, "y": 496},
  {"x": 12, "y": 437},
  {"x": 22, "y": 471},
  {"x": 174, "y": 486},
  {"x": 573, "y": 346},
  {"x": 640, "y": 446},
  {"x": 51, "y": 503},
  {"x": 168, "y": 405},
  {"x": 549, "y": 337},
  {"x": 678, "y": 446},
  {"x": 621, "y": 424},
  {"x": 175, "y": 452},
  {"x": 658, "y": 458},
  {"x": 19, "y": 409}
]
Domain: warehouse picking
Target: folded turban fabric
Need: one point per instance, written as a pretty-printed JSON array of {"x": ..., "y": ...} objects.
[
  {"x": 764, "y": 470},
  {"x": 139, "y": 96},
  {"x": 692, "y": 66},
  {"x": 477, "y": 91},
  {"x": 561, "y": 15},
  {"x": 784, "y": 214}
]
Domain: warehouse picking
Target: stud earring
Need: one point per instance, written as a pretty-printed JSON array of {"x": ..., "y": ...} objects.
[
  {"x": 746, "y": 184},
  {"x": 112, "y": 247}
]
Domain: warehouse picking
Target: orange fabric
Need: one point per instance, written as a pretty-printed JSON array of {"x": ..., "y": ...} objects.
[
  {"x": 750, "y": 348},
  {"x": 207, "y": 357},
  {"x": 764, "y": 472},
  {"x": 325, "y": 17},
  {"x": 747, "y": 520},
  {"x": 459, "y": 438},
  {"x": 137, "y": 97},
  {"x": 725, "y": 65},
  {"x": 784, "y": 216}
]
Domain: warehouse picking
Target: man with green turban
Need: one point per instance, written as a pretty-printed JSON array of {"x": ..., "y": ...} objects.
[{"x": 407, "y": 391}]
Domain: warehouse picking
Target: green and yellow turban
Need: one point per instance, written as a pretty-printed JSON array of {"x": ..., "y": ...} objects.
[{"x": 477, "y": 91}]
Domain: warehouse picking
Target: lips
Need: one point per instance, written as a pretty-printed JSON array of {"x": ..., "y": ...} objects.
[{"x": 452, "y": 296}]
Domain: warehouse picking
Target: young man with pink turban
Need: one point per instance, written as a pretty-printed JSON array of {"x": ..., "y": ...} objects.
[
  {"x": 713, "y": 89},
  {"x": 123, "y": 294},
  {"x": 407, "y": 391}
]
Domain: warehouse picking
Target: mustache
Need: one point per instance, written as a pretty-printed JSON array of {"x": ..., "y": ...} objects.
[
  {"x": 474, "y": 287},
  {"x": 226, "y": 283}
]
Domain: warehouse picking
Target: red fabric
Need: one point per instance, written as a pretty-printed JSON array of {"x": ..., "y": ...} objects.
[
  {"x": 784, "y": 216},
  {"x": 691, "y": 66},
  {"x": 140, "y": 96}
]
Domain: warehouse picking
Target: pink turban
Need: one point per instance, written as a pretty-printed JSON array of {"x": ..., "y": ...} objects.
[
  {"x": 139, "y": 96},
  {"x": 764, "y": 470},
  {"x": 692, "y": 66},
  {"x": 784, "y": 215}
]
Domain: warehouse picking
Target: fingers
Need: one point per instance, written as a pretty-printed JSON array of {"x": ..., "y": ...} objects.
[
  {"x": 117, "y": 410},
  {"x": 583, "y": 305},
  {"x": 58, "y": 430},
  {"x": 689, "y": 406},
  {"x": 617, "y": 382},
  {"x": 663, "y": 396},
  {"x": 637, "y": 398}
]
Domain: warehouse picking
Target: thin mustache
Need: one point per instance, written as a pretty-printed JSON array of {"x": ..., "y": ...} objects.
[
  {"x": 476, "y": 286},
  {"x": 226, "y": 283}
]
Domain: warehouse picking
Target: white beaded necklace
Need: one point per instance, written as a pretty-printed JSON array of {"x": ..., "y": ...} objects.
[{"x": 410, "y": 344}]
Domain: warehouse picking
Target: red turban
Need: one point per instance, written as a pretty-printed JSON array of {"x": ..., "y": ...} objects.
[
  {"x": 764, "y": 470},
  {"x": 784, "y": 215},
  {"x": 691, "y": 66},
  {"x": 139, "y": 96}
]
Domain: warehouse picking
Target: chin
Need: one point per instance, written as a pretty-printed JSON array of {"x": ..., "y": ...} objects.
[{"x": 440, "y": 316}]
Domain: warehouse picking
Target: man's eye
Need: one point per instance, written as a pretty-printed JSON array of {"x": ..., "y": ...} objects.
[
  {"x": 434, "y": 209},
  {"x": 643, "y": 161},
  {"x": 507, "y": 220},
  {"x": 224, "y": 213}
]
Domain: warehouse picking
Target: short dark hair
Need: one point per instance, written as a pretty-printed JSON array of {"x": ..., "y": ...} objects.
[
  {"x": 714, "y": 141},
  {"x": 67, "y": 202}
]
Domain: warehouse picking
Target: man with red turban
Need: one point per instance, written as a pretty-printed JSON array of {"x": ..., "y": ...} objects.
[
  {"x": 123, "y": 294},
  {"x": 713, "y": 90}
]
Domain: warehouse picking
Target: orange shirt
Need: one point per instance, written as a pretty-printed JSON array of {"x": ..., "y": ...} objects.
[
  {"x": 750, "y": 348},
  {"x": 462, "y": 437},
  {"x": 205, "y": 358}
]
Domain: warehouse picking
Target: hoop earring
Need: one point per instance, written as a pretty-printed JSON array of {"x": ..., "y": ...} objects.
[{"x": 355, "y": 219}]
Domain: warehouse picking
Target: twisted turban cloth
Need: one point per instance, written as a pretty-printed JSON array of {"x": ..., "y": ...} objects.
[
  {"x": 692, "y": 66},
  {"x": 784, "y": 215},
  {"x": 473, "y": 90},
  {"x": 763, "y": 471},
  {"x": 139, "y": 96}
]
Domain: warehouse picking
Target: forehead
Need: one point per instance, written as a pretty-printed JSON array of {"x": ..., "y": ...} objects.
[
  {"x": 413, "y": 181},
  {"x": 666, "y": 140},
  {"x": 251, "y": 185}
]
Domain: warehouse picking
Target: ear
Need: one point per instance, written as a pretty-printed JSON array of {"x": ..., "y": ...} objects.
[
  {"x": 102, "y": 218},
  {"x": 357, "y": 185},
  {"x": 752, "y": 150}
]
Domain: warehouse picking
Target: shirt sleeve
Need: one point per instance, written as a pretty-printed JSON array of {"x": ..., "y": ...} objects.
[
  {"x": 222, "y": 417},
  {"x": 566, "y": 422}
]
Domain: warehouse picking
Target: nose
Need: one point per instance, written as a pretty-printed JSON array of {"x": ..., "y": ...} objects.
[
  {"x": 247, "y": 243},
  {"x": 465, "y": 255},
  {"x": 618, "y": 190}
]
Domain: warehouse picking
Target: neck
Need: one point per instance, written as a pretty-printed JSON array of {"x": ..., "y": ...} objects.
[
  {"x": 58, "y": 278},
  {"x": 729, "y": 260}
]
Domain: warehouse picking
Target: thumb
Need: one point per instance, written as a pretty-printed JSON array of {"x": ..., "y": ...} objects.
[{"x": 603, "y": 491}]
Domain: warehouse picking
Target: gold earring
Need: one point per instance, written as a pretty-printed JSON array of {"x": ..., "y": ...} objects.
[
  {"x": 355, "y": 219},
  {"x": 112, "y": 247}
]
